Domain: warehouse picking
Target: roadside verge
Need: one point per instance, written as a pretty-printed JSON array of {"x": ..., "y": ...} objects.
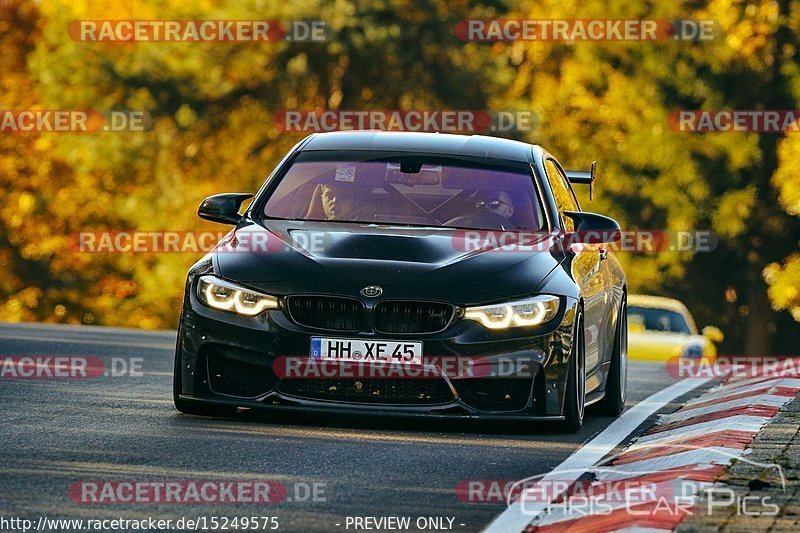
[{"x": 669, "y": 474}]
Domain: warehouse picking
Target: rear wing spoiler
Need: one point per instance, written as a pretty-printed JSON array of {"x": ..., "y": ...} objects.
[{"x": 584, "y": 177}]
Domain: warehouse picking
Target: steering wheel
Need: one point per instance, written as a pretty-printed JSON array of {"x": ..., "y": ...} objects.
[{"x": 482, "y": 220}]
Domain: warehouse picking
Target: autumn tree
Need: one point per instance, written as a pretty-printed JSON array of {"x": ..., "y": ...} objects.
[
  {"x": 212, "y": 106},
  {"x": 612, "y": 101},
  {"x": 42, "y": 201}
]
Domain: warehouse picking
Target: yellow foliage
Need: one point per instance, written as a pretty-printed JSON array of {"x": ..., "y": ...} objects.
[{"x": 784, "y": 285}]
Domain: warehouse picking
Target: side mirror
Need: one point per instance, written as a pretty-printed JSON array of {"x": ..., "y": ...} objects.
[
  {"x": 713, "y": 334},
  {"x": 594, "y": 228},
  {"x": 223, "y": 208}
]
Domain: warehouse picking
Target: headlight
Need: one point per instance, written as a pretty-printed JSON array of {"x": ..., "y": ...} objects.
[
  {"x": 226, "y": 296},
  {"x": 693, "y": 351},
  {"x": 529, "y": 312}
]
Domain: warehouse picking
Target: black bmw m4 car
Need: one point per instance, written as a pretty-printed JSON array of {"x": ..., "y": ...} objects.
[{"x": 371, "y": 265}]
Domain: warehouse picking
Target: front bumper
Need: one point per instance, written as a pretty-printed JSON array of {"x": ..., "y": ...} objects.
[{"x": 229, "y": 359}]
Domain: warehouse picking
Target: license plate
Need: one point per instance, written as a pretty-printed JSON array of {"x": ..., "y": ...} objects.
[{"x": 362, "y": 350}]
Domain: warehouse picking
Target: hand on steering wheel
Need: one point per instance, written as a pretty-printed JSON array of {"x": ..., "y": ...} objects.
[{"x": 483, "y": 220}]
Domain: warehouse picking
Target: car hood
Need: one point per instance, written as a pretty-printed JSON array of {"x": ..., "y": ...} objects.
[
  {"x": 285, "y": 257},
  {"x": 651, "y": 344}
]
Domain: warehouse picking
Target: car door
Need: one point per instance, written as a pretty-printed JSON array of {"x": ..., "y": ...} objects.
[{"x": 588, "y": 271}]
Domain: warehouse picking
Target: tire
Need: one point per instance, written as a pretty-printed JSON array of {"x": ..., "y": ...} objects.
[
  {"x": 575, "y": 395},
  {"x": 613, "y": 403},
  {"x": 188, "y": 407}
]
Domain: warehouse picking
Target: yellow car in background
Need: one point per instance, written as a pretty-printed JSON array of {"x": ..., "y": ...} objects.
[{"x": 662, "y": 328}]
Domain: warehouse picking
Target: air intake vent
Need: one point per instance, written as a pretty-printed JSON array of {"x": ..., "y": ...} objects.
[
  {"x": 377, "y": 391},
  {"x": 412, "y": 317},
  {"x": 326, "y": 312}
]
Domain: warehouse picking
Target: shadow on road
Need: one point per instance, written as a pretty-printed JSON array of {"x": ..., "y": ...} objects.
[{"x": 375, "y": 422}]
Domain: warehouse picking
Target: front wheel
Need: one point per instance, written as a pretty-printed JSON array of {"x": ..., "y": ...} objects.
[
  {"x": 613, "y": 403},
  {"x": 575, "y": 395}
]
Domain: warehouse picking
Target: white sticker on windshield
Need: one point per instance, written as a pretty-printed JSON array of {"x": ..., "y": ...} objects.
[{"x": 346, "y": 173}]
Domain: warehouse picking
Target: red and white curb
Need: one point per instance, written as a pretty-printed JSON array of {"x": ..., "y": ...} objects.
[{"x": 675, "y": 460}]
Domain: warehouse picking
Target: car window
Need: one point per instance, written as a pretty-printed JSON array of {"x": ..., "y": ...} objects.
[
  {"x": 406, "y": 190},
  {"x": 565, "y": 199},
  {"x": 654, "y": 319}
]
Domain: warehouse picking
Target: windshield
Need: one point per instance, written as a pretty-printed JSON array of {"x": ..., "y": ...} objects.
[
  {"x": 654, "y": 319},
  {"x": 410, "y": 190}
]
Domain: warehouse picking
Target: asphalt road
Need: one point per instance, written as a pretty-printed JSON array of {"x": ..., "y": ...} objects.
[{"x": 55, "y": 432}]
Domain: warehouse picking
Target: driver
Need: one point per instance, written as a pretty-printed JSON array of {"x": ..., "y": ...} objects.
[
  {"x": 500, "y": 203},
  {"x": 335, "y": 201},
  {"x": 493, "y": 211}
]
